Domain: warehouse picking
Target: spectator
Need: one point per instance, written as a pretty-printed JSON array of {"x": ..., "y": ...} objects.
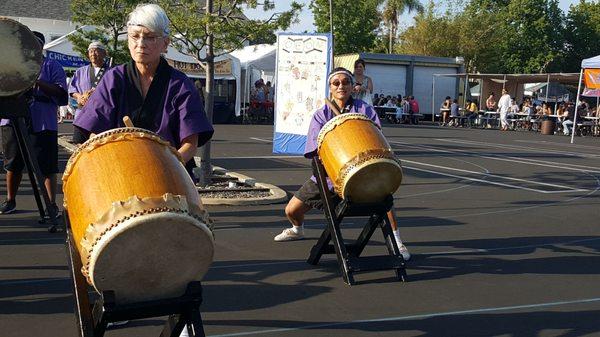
[
  {"x": 363, "y": 85},
  {"x": 454, "y": 113},
  {"x": 490, "y": 103},
  {"x": 445, "y": 109},
  {"x": 504, "y": 107}
]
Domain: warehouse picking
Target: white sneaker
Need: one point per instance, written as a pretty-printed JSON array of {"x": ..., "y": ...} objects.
[
  {"x": 404, "y": 252},
  {"x": 289, "y": 234}
]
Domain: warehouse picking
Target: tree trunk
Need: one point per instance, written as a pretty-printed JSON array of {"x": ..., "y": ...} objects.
[
  {"x": 391, "y": 37},
  {"x": 205, "y": 165}
]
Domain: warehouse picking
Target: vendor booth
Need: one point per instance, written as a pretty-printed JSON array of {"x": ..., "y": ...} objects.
[{"x": 590, "y": 76}]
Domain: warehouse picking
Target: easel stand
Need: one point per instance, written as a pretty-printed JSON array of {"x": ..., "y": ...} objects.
[
  {"x": 93, "y": 320},
  {"x": 16, "y": 109},
  {"x": 348, "y": 255}
]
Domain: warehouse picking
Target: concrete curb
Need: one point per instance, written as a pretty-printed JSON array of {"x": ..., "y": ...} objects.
[{"x": 277, "y": 194}]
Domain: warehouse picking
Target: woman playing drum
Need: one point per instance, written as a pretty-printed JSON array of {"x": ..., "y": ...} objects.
[
  {"x": 308, "y": 197},
  {"x": 155, "y": 96}
]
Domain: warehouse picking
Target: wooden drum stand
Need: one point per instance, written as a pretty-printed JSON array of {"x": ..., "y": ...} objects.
[
  {"x": 92, "y": 320},
  {"x": 348, "y": 255}
]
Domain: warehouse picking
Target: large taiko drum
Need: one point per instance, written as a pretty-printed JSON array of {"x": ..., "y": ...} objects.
[
  {"x": 136, "y": 217},
  {"x": 358, "y": 159},
  {"x": 20, "y": 58}
]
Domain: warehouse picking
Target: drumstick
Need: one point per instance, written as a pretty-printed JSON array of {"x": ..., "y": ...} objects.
[
  {"x": 127, "y": 121},
  {"x": 332, "y": 107}
]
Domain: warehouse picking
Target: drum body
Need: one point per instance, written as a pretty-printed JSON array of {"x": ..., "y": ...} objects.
[
  {"x": 136, "y": 217},
  {"x": 548, "y": 127},
  {"x": 358, "y": 159},
  {"x": 20, "y": 58}
]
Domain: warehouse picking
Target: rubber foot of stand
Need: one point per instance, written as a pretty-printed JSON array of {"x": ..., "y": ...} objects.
[{"x": 56, "y": 229}]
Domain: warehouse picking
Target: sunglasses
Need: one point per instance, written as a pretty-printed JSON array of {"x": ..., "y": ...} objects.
[{"x": 337, "y": 83}]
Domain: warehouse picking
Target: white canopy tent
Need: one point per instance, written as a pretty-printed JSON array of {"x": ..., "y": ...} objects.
[
  {"x": 235, "y": 73},
  {"x": 257, "y": 61},
  {"x": 591, "y": 63}
]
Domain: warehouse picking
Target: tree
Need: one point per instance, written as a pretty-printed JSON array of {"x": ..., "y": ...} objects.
[
  {"x": 354, "y": 23},
  {"x": 107, "y": 20},
  {"x": 391, "y": 14},
  {"x": 582, "y": 34},
  {"x": 208, "y": 29}
]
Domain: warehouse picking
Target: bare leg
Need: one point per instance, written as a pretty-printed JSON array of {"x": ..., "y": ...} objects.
[
  {"x": 50, "y": 183},
  {"x": 394, "y": 224},
  {"x": 392, "y": 217},
  {"x": 295, "y": 210},
  {"x": 13, "y": 180}
]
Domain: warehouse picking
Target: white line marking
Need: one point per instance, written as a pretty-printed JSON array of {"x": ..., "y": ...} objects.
[
  {"x": 261, "y": 140},
  {"x": 260, "y": 157},
  {"x": 566, "y": 188},
  {"x": 416, "y": 317}
]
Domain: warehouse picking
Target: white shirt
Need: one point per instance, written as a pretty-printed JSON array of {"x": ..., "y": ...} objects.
[{"x": 504, "y": 103}]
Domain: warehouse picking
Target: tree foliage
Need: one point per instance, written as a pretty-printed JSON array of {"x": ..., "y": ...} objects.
[
  {"x": 355, "y": 23},
  {"x": 108, "y": 17},
  {"x": 391, "y": 15},
  {"x": 582, "y": 33}
]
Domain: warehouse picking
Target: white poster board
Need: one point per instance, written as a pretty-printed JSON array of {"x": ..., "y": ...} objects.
[{"x": 303, "y": 62}]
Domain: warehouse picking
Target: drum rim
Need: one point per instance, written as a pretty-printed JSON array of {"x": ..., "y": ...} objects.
[
  {"x": 111, "y": 136},
  {"x": 131, "y": 223},
  {"x": 38, "y": 58},
  {"x": 350, "y": 173},
  {"x": 338, "y": 120}
]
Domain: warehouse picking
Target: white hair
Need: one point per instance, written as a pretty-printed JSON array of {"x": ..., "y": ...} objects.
[{"x": 150, "y": 16}]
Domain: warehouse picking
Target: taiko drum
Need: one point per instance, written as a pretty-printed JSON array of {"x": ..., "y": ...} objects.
[
  {"x": 136, "y": 217},
  {"x": 358, "y": 159}
]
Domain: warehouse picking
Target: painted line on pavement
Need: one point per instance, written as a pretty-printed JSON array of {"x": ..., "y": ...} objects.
[
  {"x": 261, "y": 139},
  {"x": 416, "y": 317}
]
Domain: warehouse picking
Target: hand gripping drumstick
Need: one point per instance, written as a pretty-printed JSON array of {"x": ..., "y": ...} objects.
[
  {"x": 126, "y": 120},
  {"x": 332, "y": 107}
]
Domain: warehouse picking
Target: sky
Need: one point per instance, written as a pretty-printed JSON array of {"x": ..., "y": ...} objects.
[{"x": 306, "y": 22}]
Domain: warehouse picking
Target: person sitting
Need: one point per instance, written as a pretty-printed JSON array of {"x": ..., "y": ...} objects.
[
  {"x": 156, "y": 96},
  {"x": 307, "y": 197},
  {"x": 454, "y": 113},
  {"x": 445, "y": 109}
]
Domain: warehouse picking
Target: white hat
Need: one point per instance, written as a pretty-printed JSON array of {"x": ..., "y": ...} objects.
[{"x": 96, "y": 45}]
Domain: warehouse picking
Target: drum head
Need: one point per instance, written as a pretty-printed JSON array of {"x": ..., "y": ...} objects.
[
  {"x": 151, "y": 257},
  {"x": 20, "y": 58},
  {"x": 373, "y": 181}
]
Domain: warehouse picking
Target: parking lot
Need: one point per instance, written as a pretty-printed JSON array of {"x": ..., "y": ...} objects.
[{"x": 502, "y": 226}]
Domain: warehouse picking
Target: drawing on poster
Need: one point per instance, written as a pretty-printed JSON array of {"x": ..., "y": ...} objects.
[{"x": 301, "y": 69}]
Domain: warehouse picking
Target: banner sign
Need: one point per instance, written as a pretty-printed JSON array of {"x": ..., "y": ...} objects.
[
  {"x": 222, "y": 67},
  {"x": 67, "y": 61},
  {"x": 592, "y": 78},
  {"x": 302, "y": 65}
]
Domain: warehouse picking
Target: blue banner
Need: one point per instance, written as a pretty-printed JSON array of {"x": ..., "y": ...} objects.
[{"x": 67, "y": 61}]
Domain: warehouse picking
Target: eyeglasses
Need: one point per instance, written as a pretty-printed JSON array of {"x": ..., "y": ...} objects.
[
  {"x": 337, "y": 83},
  {"x": 149, "y": 39}
]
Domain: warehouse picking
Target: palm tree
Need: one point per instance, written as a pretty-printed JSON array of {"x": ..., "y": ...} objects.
[{"x": 391, "y": 14}]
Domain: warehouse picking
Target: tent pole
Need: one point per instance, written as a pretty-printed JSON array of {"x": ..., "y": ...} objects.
[
  {"x": 547, "y": 88},
  {"x": 504, "y": 82},
  {"x": 576, "y": 107},
  {"x": 433, "y": 101},
  {"x": 467, "y": 91}
]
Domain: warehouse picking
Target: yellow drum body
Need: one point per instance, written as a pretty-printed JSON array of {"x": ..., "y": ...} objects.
[
  {"x": 358, "y": 159},
  {"x": 136, "y": 217}
]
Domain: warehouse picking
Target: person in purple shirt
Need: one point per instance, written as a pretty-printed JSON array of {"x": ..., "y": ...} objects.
[
  {"x": 48, "y": 93},
  {"x": 85, "y": 81},
  {"x": 308, "y": 196},
  {"x": 154, "y": 95}
]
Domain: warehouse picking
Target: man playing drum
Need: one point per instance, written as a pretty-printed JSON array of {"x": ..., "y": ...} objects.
[
  {"x": 49, "y": 92},
  {"x": 156, "y": 96},
  {"x": 85, "y": 81},
  {"x": 308, "y": 197}
]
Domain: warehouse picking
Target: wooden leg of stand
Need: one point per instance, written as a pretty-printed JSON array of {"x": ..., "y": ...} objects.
[
  {"x": 320, "y": 247},
  {"x": 173, "y": 327},
  {"x": 83, "y": 312},
  {"x": 366, "y": 234}
]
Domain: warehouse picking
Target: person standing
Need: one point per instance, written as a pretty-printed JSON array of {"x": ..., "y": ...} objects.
[
  {"x": 363, "y": 85},
  {"x": 504, "y": 107},
  {"x": 340, "y": 82},
  {"x": 85, "y": 81},
  {"x": 48, "y": 93},
  {"x": 490, "y": 102}
]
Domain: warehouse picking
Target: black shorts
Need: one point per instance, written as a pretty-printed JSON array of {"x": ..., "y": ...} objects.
[
  {"x": 45, "y": 149},
  {"x": 310, "y": 195}
]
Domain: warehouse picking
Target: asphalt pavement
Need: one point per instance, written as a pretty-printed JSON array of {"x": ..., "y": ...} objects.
[{"x": 502, "y": 226}]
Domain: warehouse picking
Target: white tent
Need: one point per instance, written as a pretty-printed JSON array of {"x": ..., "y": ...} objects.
[
  {"x": 591, "y": 63},
  {"x": 257, "y": 61},
  {"x": 235, "y": 74}
]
